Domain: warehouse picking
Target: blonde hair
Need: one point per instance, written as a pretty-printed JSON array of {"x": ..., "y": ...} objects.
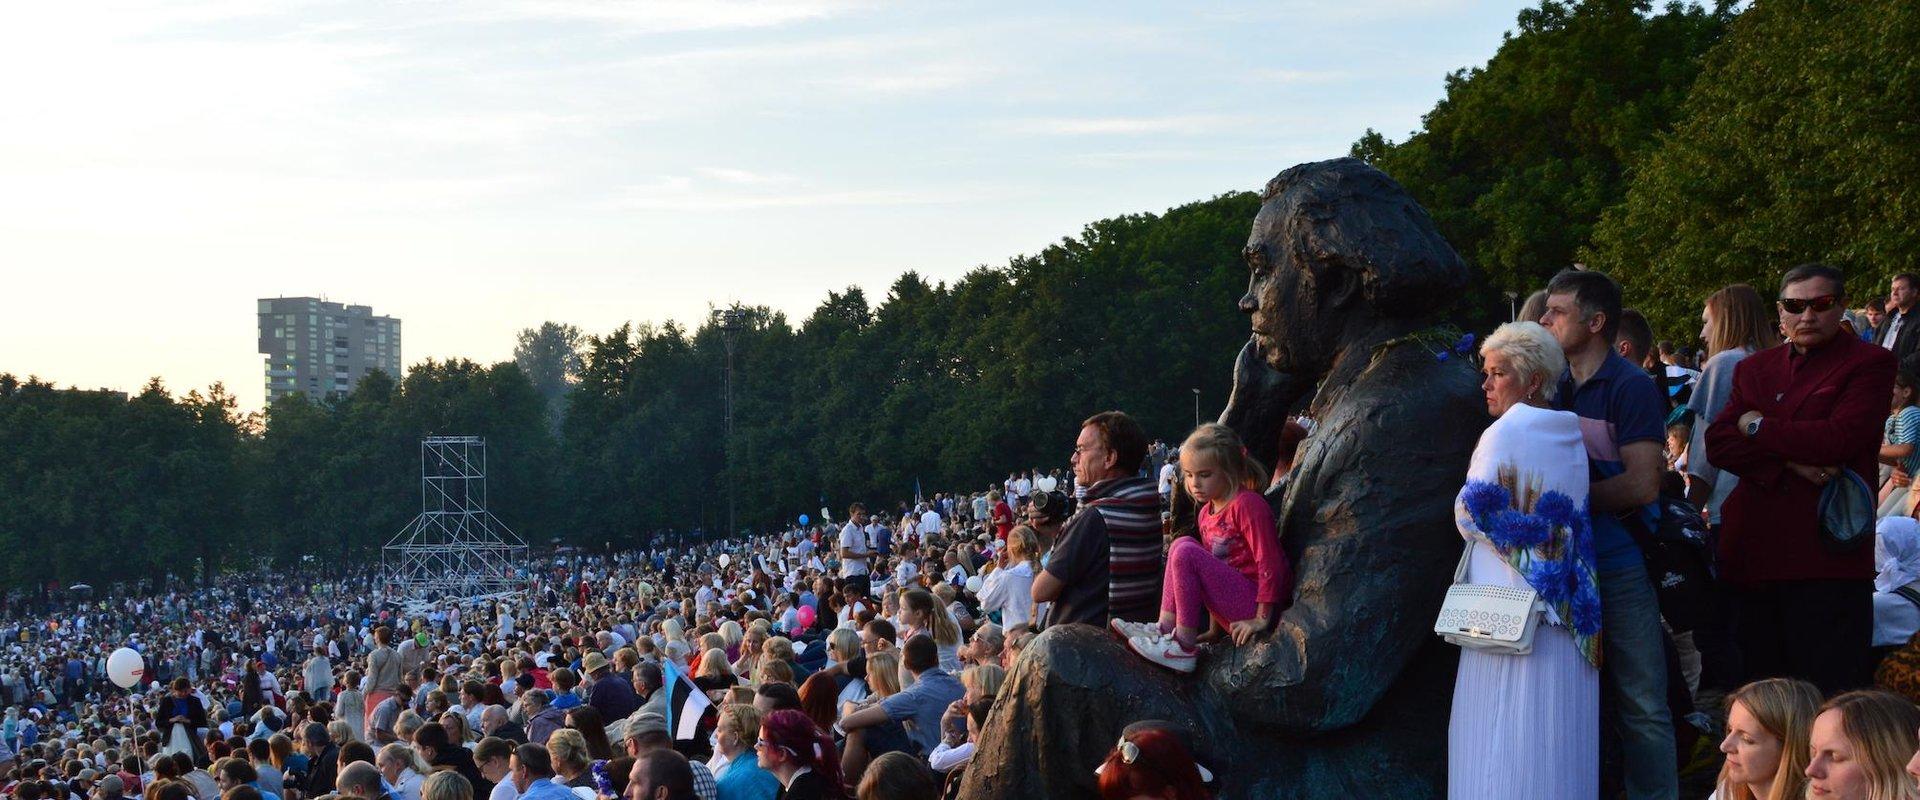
[
  {"x": 406, "y": 755},
  {"x": 1881, "y": 726},
  {"x": 984, "y": 679},
  {"x": 567, "y": 746},
  {"x": 883, "y": 674},
  {"x": 743, "y": 718},
  {"x": 1222, "y": 446},
  {"x": 779, "y": 647},
  {"x": 1532, "y": 351},
  {"x": 339, "y": 731},
  {"x": 845, "y": 643},
  {"x": 1741, "y": 318},
  {"x": 731, "y": 633},
  {"x": 713, "y": 664},
  {"x": 1785, "y": 708},
  {"x": 1023, "y": 544},
  {"x": 772, "y": 670},
  {"x": 446, "y": 785}
]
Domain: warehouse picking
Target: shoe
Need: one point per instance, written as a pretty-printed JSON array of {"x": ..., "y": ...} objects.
[
  {"x": 1128, "y": 630},
  {"x": 1165, "y": 651}
]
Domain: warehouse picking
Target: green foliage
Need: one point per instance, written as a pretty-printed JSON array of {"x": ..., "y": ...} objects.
[
  {"x": 1798, "y": 145},
  {"x": 550, "y": 357},
  {"x": 1520, "y": 159}
]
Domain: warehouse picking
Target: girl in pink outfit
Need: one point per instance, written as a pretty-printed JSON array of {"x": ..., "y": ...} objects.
[{"x": 1234, "y": 571}]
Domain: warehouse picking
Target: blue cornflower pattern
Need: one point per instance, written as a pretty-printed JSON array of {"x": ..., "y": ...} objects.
[{"x": 1551, "y": 546}]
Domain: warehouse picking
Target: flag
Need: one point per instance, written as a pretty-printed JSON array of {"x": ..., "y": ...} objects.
[
  {"x": 685, "y": 702},
  {"x": 917, "y": 498}
]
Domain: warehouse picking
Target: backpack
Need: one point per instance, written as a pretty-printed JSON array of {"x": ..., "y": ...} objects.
[{"x": 1679, "y": 558}]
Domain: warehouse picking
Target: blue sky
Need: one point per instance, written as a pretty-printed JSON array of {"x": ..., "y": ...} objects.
[{"x": 477, "y": 167}]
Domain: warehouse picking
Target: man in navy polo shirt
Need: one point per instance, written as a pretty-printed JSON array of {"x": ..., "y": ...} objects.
[{"x": 1622, "y": 418}]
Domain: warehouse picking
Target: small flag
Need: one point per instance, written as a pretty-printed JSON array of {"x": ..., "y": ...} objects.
[{"x": 685, "y": 702}]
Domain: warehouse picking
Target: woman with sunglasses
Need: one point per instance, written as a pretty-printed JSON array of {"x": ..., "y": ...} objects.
[{"x": 799, "y": 754}]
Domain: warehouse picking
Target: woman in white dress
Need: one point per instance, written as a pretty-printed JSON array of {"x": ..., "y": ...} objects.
[{"x": 1528, "y": 726}]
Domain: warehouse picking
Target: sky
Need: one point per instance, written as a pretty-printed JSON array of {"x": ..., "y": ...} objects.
[{"x": 475, "y": 167}]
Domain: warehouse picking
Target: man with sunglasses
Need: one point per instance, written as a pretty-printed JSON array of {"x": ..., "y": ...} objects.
[{"x": 1798, "y": 415}]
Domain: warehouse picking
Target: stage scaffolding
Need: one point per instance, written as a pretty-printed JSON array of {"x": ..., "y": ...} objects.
[{"x": 455, "y": 549}]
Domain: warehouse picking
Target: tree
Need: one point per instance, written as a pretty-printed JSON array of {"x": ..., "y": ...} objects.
[
  {"x": 1522, "y": 156},
  {"x": 1797, "y": 145},
  {"x": 550, "y": 357}
]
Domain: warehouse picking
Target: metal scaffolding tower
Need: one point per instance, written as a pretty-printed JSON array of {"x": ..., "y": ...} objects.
[{"x": 455, "y": 549}]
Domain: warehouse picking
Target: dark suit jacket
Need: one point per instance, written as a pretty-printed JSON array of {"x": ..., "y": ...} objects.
[
  {"x": 1906, "y": 346},
  {"x": 1822, "y": 408}
]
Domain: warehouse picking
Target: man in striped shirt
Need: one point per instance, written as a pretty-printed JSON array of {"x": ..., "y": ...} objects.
[{"x": 1107, "y": 563}]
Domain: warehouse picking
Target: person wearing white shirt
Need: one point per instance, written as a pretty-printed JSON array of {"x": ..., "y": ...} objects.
[
  {"x": 1167, "y": 472},
  {"x": 905, "y": 572},
  {"x": 855, "y": 548},
  {"x": 929, "y": 522},
  {"x": 1008, "y": 589}
]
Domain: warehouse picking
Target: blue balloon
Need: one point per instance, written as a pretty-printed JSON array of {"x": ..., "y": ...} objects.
[{"x": 803, "y": 519}]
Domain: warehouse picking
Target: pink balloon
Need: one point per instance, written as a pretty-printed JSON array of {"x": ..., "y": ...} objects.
[{"x": 805, "y": 616}]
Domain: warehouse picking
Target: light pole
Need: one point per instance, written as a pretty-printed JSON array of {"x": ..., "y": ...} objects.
[
  {"x": 1196, "y": 408},
  {"x": 732, "y": 322}
]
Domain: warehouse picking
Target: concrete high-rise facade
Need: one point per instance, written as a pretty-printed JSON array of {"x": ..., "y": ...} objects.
[{"x": 323, "y": 349}]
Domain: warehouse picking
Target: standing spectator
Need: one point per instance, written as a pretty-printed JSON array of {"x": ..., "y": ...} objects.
[
  {"x": 383, "y": 669},
  {"x": 317, "y": 674},
  {"x": 1622, "y": 419},
  {"x": 1901, "y": 332},
  {"x": 1008, "y": 589},
  {"x": 1168, "y": 472},
  {"x": 1876, "y": 314},
  {"x": 1897, "y": 451},
  {"x": 1526, "y": 726},
  {"x": 1107, "y": 562},
  {"x": 1002, "y": 516},
  {"x": 929, "y": 522},
  {"x": 1735, "y": 323},
  {"x": 1797, "y": 416},
  {"x": 855, "y": 548}
]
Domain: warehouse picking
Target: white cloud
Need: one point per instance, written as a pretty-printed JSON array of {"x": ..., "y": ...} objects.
[{"x": 1126, "y": 126}]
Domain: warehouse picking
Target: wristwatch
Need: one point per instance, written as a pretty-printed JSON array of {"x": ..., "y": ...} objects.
[{"x": 1753, "y": 428}]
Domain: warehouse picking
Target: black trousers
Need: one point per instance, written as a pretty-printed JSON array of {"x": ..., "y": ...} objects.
[{"x": 1818, "y": 631}]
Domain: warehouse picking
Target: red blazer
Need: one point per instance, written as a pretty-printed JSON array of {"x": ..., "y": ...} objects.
[{"x": 1823, "y": 408}]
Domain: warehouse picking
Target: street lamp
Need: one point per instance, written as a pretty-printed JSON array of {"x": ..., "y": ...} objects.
[
  {"x": 732, "y": 322},
  {"x": 1196, "y": 408}
]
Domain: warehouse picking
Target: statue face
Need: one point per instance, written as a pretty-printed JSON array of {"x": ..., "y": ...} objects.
[{"x": 1282, "y": 300}]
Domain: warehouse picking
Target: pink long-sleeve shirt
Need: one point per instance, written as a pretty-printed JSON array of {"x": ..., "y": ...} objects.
[{"x": 1242, "y": 535}]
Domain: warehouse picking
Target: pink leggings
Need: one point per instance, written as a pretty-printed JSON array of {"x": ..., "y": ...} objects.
[{"x": 1197, "y": 583}]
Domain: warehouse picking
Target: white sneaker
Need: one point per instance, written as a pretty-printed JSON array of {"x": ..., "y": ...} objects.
[
  {"x": 1165, "y": 651},
  {"x": 1128, "y": 630}
]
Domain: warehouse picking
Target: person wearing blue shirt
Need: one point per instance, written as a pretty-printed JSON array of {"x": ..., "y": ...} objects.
[
  {"x": 1622, "y": 420},
  {"x": 532, "y": 773},
  {"x": 924, "y": 702}
]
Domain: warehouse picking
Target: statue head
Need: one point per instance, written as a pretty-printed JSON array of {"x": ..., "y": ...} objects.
[{"x": 1338, "y": 248}]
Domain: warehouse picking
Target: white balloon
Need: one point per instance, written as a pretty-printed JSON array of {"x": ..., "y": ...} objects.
[
  {"x": 125, "y": 668},
  {"x": 725, "y": 560},
  {"x": 1048, "y": 483}
]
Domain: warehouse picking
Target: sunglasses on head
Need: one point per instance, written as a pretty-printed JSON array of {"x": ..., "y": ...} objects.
[{"x": 1794, "y": 305}]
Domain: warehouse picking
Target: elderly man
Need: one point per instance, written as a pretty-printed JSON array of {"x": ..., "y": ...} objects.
[
  {"x": 1107, "y": 564},
  {"x": 1348, "y": 695},
  {"x": 495, "y": 722},
  {"x": 609, "y": 693},
  {"x": 1797, "y": 417},
  {"x": 647, "y": 733}
]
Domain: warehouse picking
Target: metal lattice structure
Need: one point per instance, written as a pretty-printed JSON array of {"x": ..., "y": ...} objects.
[{"x": 455, "y": 548}]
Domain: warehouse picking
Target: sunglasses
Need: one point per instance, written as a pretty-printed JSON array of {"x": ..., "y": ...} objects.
[{"x": 1819, "y": 304}]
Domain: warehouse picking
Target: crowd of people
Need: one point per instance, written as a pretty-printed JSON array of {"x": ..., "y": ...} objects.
[{"x": 1677, "y": 525}]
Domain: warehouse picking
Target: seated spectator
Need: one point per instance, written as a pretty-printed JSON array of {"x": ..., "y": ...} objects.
[
  {"x": 1152, "y": 762},
  {"x": 1859, "y": 746},
  {"x": 802, "y": 757},
  {"x": 898, "y": 776},
  {"x": 921, "y": 705},
  {"x": 1766, "y": 742}
]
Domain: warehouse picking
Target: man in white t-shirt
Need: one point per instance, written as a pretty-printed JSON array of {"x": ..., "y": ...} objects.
[
  {"x": 929, "y": 521},
  {"x": 855, "y": 548},
  {"x": 1167, "y": 471}
]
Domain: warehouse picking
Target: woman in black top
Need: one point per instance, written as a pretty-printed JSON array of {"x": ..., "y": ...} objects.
[{"x": 801, "y": 755}]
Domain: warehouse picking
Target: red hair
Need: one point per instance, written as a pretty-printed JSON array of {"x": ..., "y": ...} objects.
[
  {"x": 794, "y": 732},
  {"x": 1162, "y": 763}
]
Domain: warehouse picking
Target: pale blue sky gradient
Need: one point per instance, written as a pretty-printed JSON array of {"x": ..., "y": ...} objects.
[{"x": 477, "y": 167}]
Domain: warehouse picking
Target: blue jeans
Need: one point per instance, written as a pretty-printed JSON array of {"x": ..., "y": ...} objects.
[{"x": 1635, "y": 679}]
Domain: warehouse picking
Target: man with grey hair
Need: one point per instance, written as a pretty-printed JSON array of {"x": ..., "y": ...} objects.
[
  {"x": 494, "y": 722},
  {"x": 542, "y": 718}
]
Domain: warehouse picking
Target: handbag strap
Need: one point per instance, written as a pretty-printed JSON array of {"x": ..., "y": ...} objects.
[
  {"x": 1460, "y": 570},
  {"x": 1910, "y": 593}
]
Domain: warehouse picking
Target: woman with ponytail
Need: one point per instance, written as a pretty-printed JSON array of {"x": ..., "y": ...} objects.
[
  {"x": 802, "y": 756},
  {"x": 1234, "y": 571}
]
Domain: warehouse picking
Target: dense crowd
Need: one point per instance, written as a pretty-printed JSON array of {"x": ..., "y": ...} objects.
[{"x": 1677, "y": 525}]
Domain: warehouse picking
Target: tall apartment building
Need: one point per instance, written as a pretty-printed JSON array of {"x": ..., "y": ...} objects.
[{"x": 323, "y": 349}]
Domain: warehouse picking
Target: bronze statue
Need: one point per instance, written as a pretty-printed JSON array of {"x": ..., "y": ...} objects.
[{"x": 1348, "y": 695}]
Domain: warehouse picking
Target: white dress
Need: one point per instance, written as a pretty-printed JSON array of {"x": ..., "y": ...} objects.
[{"x": 1526, "y": 727}]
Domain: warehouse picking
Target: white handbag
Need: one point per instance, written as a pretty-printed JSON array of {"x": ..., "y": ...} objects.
[{"x": 1498, "y": 619}]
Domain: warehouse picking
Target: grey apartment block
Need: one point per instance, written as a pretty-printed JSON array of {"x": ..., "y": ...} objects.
[{"x": 323, "y": 349}]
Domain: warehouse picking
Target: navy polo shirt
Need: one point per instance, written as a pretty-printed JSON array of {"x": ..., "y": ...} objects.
[{"x": 1618, "y": 406}]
